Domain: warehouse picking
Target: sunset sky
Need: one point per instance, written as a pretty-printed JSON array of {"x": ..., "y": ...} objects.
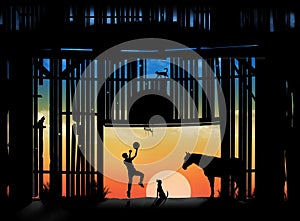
[{"x": 160, "y": 155}]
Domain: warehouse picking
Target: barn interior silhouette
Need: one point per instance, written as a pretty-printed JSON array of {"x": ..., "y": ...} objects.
[{"x": 248, "y": 52}]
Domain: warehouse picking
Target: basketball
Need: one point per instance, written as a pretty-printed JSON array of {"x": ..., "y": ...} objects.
[{"x": 136, "y": 145}]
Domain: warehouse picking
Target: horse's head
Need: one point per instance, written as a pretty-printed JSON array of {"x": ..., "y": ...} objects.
[{"x": 187, "y": 161}]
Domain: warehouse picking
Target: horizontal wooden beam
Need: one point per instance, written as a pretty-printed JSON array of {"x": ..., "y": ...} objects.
[
  {"x": 41, "y": 44},
  {"x": 167, "y": 124}
]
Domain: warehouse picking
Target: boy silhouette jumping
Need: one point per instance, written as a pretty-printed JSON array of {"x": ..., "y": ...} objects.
[{"x": 131, "y": 170}]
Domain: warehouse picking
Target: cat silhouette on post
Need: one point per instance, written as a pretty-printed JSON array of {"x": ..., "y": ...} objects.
[{"x": 162, "y": 73}]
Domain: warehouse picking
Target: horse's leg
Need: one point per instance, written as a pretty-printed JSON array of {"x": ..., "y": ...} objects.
[
  {"x": 236, "y": 183},
  {"x": 211, "y": 180}
]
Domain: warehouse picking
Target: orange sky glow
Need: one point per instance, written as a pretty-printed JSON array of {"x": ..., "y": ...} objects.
[{"x": 160, "y": 156}]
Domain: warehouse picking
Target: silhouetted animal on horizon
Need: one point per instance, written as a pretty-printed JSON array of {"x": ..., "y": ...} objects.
[
  {"x": 216, "y": 167},
  {"x": 162, "y": 73},
  {"x": 159, "y": 191}
]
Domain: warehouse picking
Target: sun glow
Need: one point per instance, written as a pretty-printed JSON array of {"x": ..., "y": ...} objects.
[{"x": 174, "y": 183}]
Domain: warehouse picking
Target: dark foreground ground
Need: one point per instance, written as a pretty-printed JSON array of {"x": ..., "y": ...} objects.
[{"x": 144, "y": 208}]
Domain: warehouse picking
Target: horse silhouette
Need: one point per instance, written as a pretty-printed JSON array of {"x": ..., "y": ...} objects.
[{"x": 216, "y": 167}]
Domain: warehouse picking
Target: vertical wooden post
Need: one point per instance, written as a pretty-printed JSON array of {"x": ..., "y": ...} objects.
[
  {"x": 225, "y": 119},
  {"x": 269, "y": 114},
  {"x": 36, "y": 79},
  {"x": 20, "y": 128},
  {"x": 242, "y": 121},
  {"x": 4, "y": 132},
  {"x": 41, "y": 127}
]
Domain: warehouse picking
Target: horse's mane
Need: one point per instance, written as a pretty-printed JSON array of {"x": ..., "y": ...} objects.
[
  {"x": 196, "y": 157},
  {"x": 198, "y": 154}
]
